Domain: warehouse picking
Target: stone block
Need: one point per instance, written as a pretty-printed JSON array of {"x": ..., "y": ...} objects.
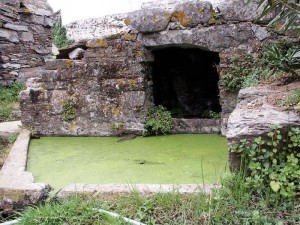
[
  {"x": 192, "y": 13},
  {"x": 147, "y": 21},
  {"x": 8, "y": 35}
]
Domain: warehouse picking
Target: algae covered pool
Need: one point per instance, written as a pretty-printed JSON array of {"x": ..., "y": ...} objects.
[{"x": 173, "y": 159}]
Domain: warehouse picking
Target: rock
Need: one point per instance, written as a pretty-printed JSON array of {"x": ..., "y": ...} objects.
[
  {"x": 77, "y": 53},
  {"x": 253, "y": 115},
  {"x": 27, "y": 37},
  {"x": 191, "y": 14},
  {"x": 260, "y": 32},
  {"x": 15, "y": 27},
  {"x": 233, "y": 35},
  {"x": 8, "y": 35},
  {"x": 55, "y": 50},
  {"x": 240, "y": 10},
  {"x": 147, "y": 21},
  {"x": 97, "y": 28}
]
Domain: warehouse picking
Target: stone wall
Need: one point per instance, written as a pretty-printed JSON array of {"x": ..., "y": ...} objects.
[
  {"x": 25, "y": 39},
  {"x": 110, "y": 89}
]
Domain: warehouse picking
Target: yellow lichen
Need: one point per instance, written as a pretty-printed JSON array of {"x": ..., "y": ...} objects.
[
  {"x": 116, "y": 111},
  {"x": 102, "y": 42},
  {"x": 121, "y": 81},
  {"x": 129, "y": 37},
  {"x": 200, "y": 11},
  {"x": 139, "y": 54},
  {"x": 127, "y": 21},
  {"x": 182, "y": 18},
  {"x": 68, "y": 62},
  {"x": 169, "y": 16},
  {"x": 132, "y": 82},
  {"x": 47, "y": 107},
  {"x": 73, "y": 126}
]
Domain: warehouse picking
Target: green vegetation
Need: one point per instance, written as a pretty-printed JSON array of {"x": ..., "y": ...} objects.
[
  {"x": 168, "y": 159},
  {"x": 234, "y": 203},
  {"x": 293, "y": 101},
  {"x": 276, "y": 59},
  {"x": 9, "y": 99},
  {"x": 59, "y": 35},
  {"x": 272, "y": 162},
  {"x": 286, "y": 13},
  {"x": 158, "y": 121},
  {"x": 211, "y": 114},
  {"x": 73, "y": 211},
  {"x": 68, "y": 110},
  {"x": 5, "y": 145}
]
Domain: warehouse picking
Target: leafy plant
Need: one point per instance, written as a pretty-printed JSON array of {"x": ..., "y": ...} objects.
[
  {"x": 272, "y": 162},
  {"x": 177, "y": 112},
  {"x": 211, "y": 114},
  {"x": 59, "y": 35},
  {"x": 286, "y": 12},
  {"x": 283, "y": 56},
  {"x": 158, "y": 121},
  {"x": 68, "y": 110}
]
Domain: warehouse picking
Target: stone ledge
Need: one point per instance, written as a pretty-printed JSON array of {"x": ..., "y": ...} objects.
[
  {"x": 17, "y": 187},
  {"x": 197, "y": 126},
  {"x": 8, "y": 128},
  {"x": 98, "y": 189}
]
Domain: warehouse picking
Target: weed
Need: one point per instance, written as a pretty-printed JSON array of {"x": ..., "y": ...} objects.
[
  {"x": 272, "y": 162},
  {"x": 68, "y": 110},
  {"x": 9, "y": 98},
  {"x": 158, "y": 121}
]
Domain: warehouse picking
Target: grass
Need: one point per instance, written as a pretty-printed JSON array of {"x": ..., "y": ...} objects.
[
  {"x": 9, "y": 100},
  {"x": 5, "y": 145},
  {"x": 173, "y": 159},
  {"x": 234, "y": 203}
]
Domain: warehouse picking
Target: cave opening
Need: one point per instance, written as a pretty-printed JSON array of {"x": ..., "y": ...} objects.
[{"x": 185, "y": 81}]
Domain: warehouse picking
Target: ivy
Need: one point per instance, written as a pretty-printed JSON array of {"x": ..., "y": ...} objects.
[
  {"x": 68, "y": 110},
  {"x": 273, "y": 161}
]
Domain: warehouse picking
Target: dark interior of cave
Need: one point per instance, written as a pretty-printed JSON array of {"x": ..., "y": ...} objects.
[{"x": 185, "y": 81}]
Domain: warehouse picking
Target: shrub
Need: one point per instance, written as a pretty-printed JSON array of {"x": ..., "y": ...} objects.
[
  {"x": 158, "y": 121},
  {"x": 9, "y": 96},
  {"x": 59, "y": 35},
  {"x": 272, "y": 162}
]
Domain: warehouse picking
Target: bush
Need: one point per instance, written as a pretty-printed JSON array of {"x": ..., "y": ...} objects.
[
  {"x": 9, "y": 96},
  {"x": 158, "y": 121},
  {"x": 272, "y": 162},
  {"x": 59, "y": 35}
]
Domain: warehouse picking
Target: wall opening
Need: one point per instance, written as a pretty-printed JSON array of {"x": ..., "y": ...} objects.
[{"x": 185, "y": 81}]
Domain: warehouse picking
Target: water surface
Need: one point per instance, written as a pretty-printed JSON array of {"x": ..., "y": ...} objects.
[{"x": 173, "y": 159}]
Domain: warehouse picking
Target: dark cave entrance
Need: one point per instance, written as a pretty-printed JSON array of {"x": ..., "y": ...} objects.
[{"x": 185, "y": 81}]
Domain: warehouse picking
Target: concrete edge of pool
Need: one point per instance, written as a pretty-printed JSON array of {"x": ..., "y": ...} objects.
[{"x": 18, "y": 188}]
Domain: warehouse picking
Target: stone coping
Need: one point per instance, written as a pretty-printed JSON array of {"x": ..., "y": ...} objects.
[
  {"x": 98, "y": 189},
  {"x": 8, "y": 128},
  {"x": 17, "y": 187}
]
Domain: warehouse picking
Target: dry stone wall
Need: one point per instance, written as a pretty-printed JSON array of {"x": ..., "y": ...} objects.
[
  {"x": 108, "y": 91},
  {"x": 25, "y": 39}
]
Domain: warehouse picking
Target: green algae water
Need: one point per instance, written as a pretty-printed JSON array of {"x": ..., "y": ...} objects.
[{"x": 173, "y": 159}]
